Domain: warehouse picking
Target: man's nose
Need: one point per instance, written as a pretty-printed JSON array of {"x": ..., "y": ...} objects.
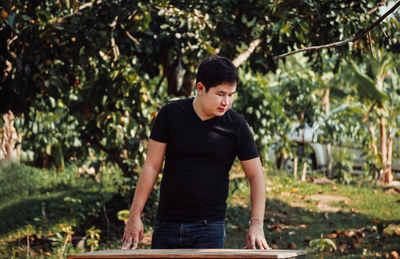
[{"x": 225, "y": 101}]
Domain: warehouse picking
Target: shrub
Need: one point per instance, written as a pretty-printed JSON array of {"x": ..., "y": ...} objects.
[{"x": 20, "y": 180}]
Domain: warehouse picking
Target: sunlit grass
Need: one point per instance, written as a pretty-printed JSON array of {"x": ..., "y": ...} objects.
[
  {"x": 363, "y": 215},
  {"x": 297, "y": 212}
]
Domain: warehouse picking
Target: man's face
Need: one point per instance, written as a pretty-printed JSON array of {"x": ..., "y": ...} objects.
[{"x": 218, "y": 99}]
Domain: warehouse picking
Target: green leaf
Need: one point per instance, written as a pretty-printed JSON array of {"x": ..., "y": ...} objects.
[
  {"x": 48, "y": 149},
  {"x": 52, "y": 102},
  {"x": 25, "y": 17},
  {"x": 11, "y": 20},
  {"x": 367, "y": 86},
  {"x": 330, "y": 243},
  {"x": 164, "y": 26}
]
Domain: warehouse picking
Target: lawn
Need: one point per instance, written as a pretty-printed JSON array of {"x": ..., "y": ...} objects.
[{"x": 362, "y": 219}]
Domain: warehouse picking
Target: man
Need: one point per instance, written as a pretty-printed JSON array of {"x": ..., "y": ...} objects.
[{"x": 199, "y": 138}]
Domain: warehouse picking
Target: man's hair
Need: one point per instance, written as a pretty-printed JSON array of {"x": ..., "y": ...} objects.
[{"x": 216, "y": 70}]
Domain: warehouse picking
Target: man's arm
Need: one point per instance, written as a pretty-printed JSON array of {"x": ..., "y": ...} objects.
[
  {"x": 133, "y": 233},
  {"x": 254, "y": 173}
]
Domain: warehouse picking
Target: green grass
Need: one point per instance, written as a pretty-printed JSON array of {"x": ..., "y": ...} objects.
[
  {"x": 364, "y": 226},
  {"x": 50, "y": 200},
  {"x": 368, "y": 213}
]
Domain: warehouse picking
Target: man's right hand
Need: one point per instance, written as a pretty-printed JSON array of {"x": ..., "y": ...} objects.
[{"x": 133, "y": 233}]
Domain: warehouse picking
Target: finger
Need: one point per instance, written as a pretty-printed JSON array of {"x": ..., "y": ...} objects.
[
  {"x": 260, "y": 244},
  {"x": 123, "y": 242},
  {"x": 127, "y": 243},
  {"x": 253, "y": 243},
  {"x": 141, "y": 235},
  {"x": 248, "y": 243},
  {"x": 267, "y": 247},
  {"x": 135, "y": 241},
  {"x": 264, "y": 244}
]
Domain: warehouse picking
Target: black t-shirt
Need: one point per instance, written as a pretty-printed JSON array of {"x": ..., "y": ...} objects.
[{"x": 198, "y": 159}]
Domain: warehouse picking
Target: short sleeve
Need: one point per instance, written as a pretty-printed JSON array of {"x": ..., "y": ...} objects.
[
  {"x": 245, "y": 147},
  {"x": 160, "y": 128}
]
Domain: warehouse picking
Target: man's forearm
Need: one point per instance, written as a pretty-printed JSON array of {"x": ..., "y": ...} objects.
[
  {"x": 144, "y": 187},
  {"x": 255, "y": 235},
  {"x": 257, "y": 195}
]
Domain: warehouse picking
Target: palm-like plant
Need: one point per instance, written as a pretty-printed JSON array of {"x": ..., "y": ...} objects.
[
  {"x": 377, "y": 84},
  {"x": 322, "y": 244}
]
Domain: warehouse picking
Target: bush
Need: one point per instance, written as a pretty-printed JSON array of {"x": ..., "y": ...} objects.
[
  {"x": 20, "y": 180},
  {"x": 342, "y": 165}
]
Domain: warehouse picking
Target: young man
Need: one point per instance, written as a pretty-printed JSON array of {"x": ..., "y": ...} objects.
[{"x": 199, "y": 138}]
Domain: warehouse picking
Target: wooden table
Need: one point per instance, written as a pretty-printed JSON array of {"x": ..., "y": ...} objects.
[{"x": 192, "y": 253}]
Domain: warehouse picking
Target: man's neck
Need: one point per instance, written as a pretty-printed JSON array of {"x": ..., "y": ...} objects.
[{"x": 198, "y": 109}]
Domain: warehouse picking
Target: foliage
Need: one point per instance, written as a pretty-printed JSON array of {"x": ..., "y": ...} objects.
[
  {"x": 86, "y": 80},
  {"x": 262, "y": 107},
  {"x": 376, "y": 80},
  {"x": 322, "y": 244},
  {"x": 21, "y": 180},
  {"x": 93, "y": 237},
  {"x": 72, "y": 198},
  {"x": 63, "y": 241},
  {"x": 342, "y": 165},
  {"x": 91, "y": 75},
  {"x": 72, "y": 94},
  {"x": 123, "y": 215}
]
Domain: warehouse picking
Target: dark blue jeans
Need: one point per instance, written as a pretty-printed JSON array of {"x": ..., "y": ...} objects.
[{"x": 196, "y": 234}]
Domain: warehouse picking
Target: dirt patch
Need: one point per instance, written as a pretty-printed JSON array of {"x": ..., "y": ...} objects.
[
  {"x": 324, "y": 198},
  {"x": 323, "y": 202},
  {"x": 298, "y": 204}
]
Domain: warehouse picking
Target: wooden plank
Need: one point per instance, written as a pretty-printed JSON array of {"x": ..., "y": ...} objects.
[{"x": 191, "y": 253}]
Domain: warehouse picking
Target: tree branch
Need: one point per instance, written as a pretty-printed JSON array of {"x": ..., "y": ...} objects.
[
  {"x": 362, "y": 33},
  {"x": 341, "y": 43},
  {"x": 80, "y": 8},
  {"x": 130, "y": 35},
  {"x": 246, "y": 54},
  {"x": 365, "y": 119},
  {"x": 382, "y": 3},
  {"x": 330, "y": 45},
  {"x": 114, "y": 45}
]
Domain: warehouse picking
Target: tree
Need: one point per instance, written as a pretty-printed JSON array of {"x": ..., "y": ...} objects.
[
  {"x": 377, "y": 82},
  {"x": 91, "y": 75}
]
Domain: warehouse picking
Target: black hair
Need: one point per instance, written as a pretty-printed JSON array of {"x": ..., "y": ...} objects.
[{"x": 216, "y": 70}]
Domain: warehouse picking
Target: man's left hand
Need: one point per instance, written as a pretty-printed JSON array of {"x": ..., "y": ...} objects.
[{"x": 255, "y": 237}]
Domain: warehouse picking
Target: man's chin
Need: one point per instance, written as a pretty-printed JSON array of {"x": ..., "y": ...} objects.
[{"x": 219, "y": 113}]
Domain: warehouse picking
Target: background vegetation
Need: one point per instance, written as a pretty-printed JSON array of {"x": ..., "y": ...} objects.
[{"x": 81, "y": 83}]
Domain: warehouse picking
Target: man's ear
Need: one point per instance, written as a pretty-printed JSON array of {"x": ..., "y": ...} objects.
[{"x": 200, "y": 88}]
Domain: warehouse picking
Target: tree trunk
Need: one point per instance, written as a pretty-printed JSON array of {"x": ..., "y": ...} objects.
[
  {"x": 374, "y": 146},
  {"x": 385, "y": 174},
  {"x": 389, "y": 176},
  {"x": 305, "y": 164},
  {"x": 304, "y": 172},
  {"x": 326, "y": 103},
  {"x": 9, "y": 136},
  {"x": 295, "y": 164},
  {"x": 188, "y": 83},
  {"x": 330, "y": 162}
]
